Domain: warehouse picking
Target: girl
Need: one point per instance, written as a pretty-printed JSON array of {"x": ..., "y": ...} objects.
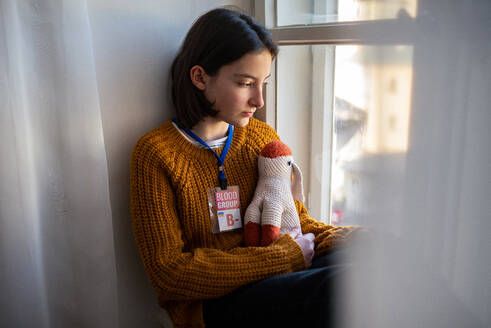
[{"x": 204, "y": 275}]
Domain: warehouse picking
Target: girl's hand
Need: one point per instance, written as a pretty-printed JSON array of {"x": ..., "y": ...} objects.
[
  {"x": 295, "y": 232},
  {"x": 306, "y": 243}
]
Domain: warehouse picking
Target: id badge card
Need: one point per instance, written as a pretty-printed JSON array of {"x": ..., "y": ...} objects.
[{"x": 224, "y": 208}]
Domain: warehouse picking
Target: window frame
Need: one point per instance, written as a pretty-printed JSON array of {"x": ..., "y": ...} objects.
[{"x": 397, "y": 31}]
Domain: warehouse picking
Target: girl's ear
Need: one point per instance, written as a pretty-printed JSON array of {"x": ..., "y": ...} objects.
[{"x": 198, "y": 77}]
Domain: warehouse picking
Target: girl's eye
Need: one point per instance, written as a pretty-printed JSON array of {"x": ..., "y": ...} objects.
[{"x": 249, "y": 84}]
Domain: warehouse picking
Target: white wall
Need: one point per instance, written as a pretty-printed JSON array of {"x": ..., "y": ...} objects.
[
  {"x": 134, "y": 44},
  {"x": 294, "y": 104}
]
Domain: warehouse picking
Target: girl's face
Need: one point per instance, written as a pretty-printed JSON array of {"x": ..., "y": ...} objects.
[{"x": 237, "y": 89}]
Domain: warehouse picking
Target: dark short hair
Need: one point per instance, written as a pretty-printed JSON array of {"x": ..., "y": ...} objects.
[{"x": 217, "y": 38}]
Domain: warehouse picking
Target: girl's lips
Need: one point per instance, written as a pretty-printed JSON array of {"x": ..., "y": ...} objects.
[{"x": 247, "y": 114}]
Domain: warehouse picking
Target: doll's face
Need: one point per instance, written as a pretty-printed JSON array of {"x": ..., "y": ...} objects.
[
  {"x": 237, "y": 89},
  {"x": 275, "y": 167}
]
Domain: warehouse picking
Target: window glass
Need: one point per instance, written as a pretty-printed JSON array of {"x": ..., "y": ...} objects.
[
  {"x": 344, "y": 111},
  {"x": 294, "y": 12}
]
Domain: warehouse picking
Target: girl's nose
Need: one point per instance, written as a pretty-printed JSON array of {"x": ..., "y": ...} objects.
[{"x": 257, "y": 98}]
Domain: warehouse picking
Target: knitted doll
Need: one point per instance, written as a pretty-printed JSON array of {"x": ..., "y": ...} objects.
[{"x": 272, "y": 211}]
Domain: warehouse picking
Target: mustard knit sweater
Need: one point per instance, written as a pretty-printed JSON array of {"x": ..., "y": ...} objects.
[{"x": 185, "y": 262}]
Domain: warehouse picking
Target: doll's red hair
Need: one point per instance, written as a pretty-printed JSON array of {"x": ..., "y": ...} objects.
[{"x": 276, "y": 149}]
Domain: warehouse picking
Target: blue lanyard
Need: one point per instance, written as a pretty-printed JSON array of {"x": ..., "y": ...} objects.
[{"x": 221, "y": 158}]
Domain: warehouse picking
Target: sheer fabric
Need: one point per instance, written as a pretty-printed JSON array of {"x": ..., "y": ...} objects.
[{"x": 56, "y": 251}]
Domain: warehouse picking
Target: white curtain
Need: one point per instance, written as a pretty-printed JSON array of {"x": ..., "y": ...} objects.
[
  {"x": 80, "y": 81},
  {"x": 56, "y": 240},
  {"x": 432, "y": 268}
]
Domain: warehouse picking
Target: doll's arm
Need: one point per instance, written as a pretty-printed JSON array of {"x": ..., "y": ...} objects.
[
  {"x": 271, "y": 218},
  {"x": 252, "y": 222}
]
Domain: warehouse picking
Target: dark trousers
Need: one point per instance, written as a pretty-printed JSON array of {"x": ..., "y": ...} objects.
[{"x": 309, "y": 298}]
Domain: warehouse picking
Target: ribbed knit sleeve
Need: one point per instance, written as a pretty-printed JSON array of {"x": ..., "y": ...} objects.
[{"x": 327, "y": 237}]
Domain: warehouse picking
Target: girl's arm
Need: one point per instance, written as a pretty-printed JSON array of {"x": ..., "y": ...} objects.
[{"x": 327, "y": 237}]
